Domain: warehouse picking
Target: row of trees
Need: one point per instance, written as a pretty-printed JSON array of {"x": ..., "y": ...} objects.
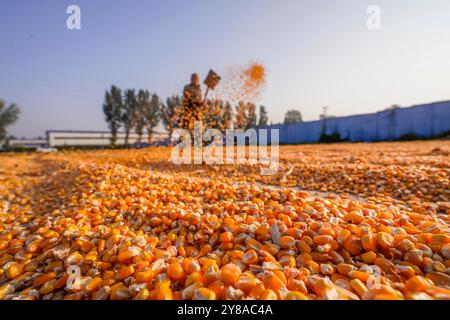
[
  {"x": 293, "y": 116},
  {"x": 141, "y": 111},
  {"x": 133, "y": 111}
]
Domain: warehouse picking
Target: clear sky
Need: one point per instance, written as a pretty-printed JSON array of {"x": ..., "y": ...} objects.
[{"x": 318, "y": 53}]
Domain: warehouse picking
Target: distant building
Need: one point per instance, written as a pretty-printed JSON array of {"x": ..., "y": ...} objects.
[
  {"x": 69, "y": 138},
  {"x": 28, "y": 143}
]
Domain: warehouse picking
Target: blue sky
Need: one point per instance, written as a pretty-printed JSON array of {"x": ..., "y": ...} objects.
[{"x": 318, "y": 53}]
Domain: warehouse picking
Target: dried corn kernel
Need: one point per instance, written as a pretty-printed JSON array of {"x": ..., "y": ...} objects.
[{"x": 135, "y": 234}]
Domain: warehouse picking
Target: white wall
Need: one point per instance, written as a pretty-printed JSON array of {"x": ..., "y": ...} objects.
[
  {"x": 27, "y": 142},
  {"x": 90, "y": 138}
]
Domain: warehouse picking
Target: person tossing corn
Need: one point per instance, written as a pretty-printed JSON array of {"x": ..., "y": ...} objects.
[{"x": 192, "y": 103}]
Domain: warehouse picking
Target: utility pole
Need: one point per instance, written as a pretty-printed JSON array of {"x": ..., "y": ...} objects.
[
  {"x": 323, "y": 117},
  {"x": 324, "y": 113}
]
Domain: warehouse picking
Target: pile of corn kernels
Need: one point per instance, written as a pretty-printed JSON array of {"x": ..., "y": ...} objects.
[{"x": 129, "y": 224}]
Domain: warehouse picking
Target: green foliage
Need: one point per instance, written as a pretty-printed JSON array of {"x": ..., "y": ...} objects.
[
  {"x": 139, "y": 111},
  {"x": 293, "y": 116},
  {"x": 227, "y": 115},
  {"x": 263, "y": 118},
  {"x": 213, "y": 114},
  {"x": 393, "y": 107},
  {"x": 17, "y": 149},
  {"x": 152, "y": 114},
  {"x": 143, "y": 99},
  {"x": 331, "y": 138},
  {"x": 253, "y": 120},
  {"x": 444, "y": 135},
  {"x": 409, "y": 137},
  {"x": 89, "y": 147},
  {"x": 171, "y": 113},
  {"x": 112, "y": 108},
  {"x": 128, "y": 113},
  {"x": 8, "y": 116},
  {"x": 245, "y": 116}
]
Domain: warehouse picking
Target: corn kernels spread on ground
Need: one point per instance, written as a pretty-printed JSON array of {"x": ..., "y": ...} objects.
[{"x": 128, "y": 224}]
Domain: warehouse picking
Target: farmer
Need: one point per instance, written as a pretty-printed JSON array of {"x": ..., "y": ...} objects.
[{"x": 192, "y": 103}]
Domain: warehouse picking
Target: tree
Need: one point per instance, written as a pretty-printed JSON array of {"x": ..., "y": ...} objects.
[
  {"x": 128, "y": 114},
  {"x": 152, "y": 114},
  {"x": 263, "y": 118},
  {"x": 112, "y": 108},
  {"x": 293, "y": 116},
  {"x": 227, "y": 115},
  {"x": 171, "y": 113},
  {"x": 8, "y": 116},
  {"x": 393, "y": 107},
  {"x": 217, "y": 114},
  {"x": 245, "y": 115},
  {"x": 143, "y": 100},
  {"x": 253, "y": 118},
  {"x": 212, "y": 112}
]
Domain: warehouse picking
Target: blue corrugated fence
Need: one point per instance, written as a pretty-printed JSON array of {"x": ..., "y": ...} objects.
[{"x": 424, "y": 121}]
